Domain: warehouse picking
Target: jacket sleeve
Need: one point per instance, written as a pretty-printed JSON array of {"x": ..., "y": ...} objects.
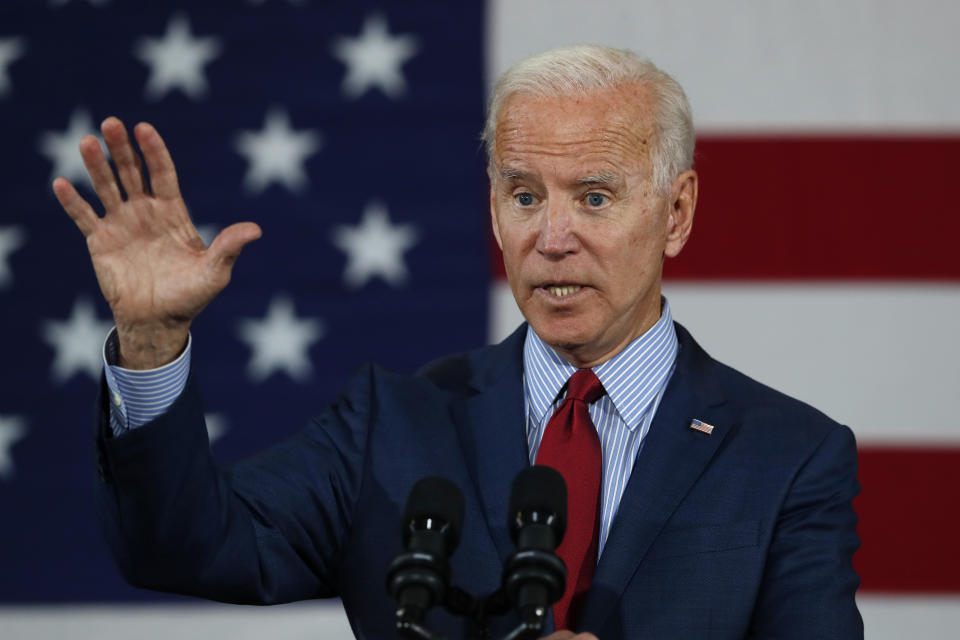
[
  {"x": 266, "y": 530},
  {"x": 809, "y": 584}
]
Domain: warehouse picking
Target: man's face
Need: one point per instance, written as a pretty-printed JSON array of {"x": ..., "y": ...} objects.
[{"x": 581, "y": 224}]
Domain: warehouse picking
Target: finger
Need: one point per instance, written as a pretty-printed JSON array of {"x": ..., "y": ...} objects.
[
  {"x": 123, "y": 154},
  {"x": 163, "y": 175},
  {"x": 76, "y": 207},
  {"x": 144, "y": 186},
  {"x": 101, "y": 175},
  {"x": 227, "y": 245}
]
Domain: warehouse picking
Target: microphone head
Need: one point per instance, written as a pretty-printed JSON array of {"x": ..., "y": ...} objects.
[
  {"x": 539, "y": 495},
  {"x": 435, "y": 503}
]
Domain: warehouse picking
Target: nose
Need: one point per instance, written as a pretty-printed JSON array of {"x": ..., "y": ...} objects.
[{"x": 556, "y": 236}]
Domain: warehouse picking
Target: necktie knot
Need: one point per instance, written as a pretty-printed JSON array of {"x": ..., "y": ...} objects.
[{"x": 585, "y": 385}]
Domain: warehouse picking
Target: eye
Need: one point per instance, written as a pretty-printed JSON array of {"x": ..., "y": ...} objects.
[
  {"x": 524, "y": 199},
  {"x": 596, "y": 199}
]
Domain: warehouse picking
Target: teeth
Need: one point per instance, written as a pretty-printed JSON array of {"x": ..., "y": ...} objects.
[{"x": 563, "y": 291}]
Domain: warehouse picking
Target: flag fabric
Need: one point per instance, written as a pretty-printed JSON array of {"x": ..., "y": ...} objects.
[
  {"x": 333, "y": 126},
  {"x": 822, "y": 260}
]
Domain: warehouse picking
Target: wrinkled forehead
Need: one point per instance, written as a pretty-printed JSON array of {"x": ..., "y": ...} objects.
[{"x": 617, "y": 121}]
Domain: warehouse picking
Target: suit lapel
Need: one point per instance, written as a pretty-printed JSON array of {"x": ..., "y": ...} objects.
[
  {"x": 671, "y": 459},
  {"x": 490, "y": 425}
]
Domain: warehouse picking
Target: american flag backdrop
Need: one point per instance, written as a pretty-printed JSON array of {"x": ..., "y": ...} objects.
[{"x": 822, "y": 262}]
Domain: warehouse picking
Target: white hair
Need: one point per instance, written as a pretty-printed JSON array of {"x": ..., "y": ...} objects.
[{"x": 589, "y": 68}]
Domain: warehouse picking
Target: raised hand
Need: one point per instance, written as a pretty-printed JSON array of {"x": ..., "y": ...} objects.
[{"x": 152, "y": 266}]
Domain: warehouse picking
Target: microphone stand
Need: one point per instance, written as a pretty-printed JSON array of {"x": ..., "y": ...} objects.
[
  {"x": 533, "y": 576},
  {"x": 479, "y": 612}
]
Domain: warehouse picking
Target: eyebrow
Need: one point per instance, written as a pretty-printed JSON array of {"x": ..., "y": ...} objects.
[
  {"x": 600, "y": 178},
  {"x": 514, "y": 174}
]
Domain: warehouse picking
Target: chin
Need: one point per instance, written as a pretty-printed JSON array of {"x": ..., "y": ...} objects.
[{"x": 566, "y": 334}]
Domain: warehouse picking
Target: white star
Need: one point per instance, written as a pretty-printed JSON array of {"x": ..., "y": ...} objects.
[
  {"x": 12, "y": 430},
  {"x": 61, "y": 147},
  {"x": 78, "y": 341},
  {"x": 374, "y": 58},
  {"x": 375, "y": 247},
  {"x": 277, "y": 153},
  {"x": 176, "y": 60},
  {"x": 10, "y": 50},
  {"x": 280, "y": 341},
  {"x": 208, "y": 232},
  {"x": 11, "y": 239},
  {"x": 216, "y": 426}
]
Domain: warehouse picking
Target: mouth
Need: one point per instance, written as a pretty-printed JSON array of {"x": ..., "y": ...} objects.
[{"x": 560, "y": 291}]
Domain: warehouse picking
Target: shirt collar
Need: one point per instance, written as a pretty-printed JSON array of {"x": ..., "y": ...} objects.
[{"x": 633, "y": 378}]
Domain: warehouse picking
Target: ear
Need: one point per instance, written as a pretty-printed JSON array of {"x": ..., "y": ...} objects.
[
  {"x": 683, "y": 202},
  {"x": 493, "y": 209}
]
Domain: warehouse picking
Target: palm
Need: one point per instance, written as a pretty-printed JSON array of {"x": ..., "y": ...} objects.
[
  {"x": 152, "y": 266},
  {"x": 160, "y": 270}
]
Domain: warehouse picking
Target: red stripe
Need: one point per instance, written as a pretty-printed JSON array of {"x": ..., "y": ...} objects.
[
  {"x": 909, "y": 520},
  {"x": 799, "y": 207}
]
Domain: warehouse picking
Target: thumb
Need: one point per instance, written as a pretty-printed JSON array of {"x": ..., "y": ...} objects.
[{"x": 227, "y": 245}]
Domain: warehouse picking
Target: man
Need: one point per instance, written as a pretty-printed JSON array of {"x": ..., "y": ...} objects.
[{"x": 704, "y": 505}]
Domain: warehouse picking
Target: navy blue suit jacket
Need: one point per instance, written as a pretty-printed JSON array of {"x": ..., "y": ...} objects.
[{"x": 746, "y": 532}]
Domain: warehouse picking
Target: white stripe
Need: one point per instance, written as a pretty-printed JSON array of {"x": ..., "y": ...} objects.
[
  {"x": 748, "y": 65},
  {"x": 159, "y": 622},
  {"x": 505, "y": 315},
  {"x": 881, "y": 358},
  {"x": 899, "y": 617},
  {"x": 884, "y": 618}
]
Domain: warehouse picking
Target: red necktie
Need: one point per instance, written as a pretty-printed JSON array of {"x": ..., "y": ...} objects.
[{"x": 571, "y": 446}]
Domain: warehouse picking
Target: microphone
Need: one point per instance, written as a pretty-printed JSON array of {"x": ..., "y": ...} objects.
[
  {"x": 432, "y": 520},
  {"x": 533, "y": 576}
]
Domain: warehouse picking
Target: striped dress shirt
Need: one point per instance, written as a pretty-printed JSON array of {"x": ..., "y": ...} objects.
[
  {"x": 634, "y": 380},
  {"x": 139, "y": 396}
]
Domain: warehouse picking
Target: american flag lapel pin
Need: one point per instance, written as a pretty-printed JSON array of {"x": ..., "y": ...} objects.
[{"x": 701, "y": 426}]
